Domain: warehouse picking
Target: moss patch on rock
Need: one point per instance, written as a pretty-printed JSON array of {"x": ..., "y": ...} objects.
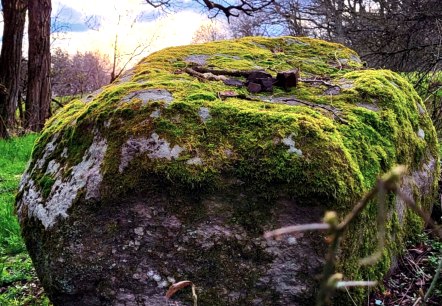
[{"x": 160, "y": 122}]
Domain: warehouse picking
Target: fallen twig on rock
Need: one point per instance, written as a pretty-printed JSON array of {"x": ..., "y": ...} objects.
[
  {"x": 322, "y": 82},
  {"x": 328, "y": 108},
  {"x": 205, "y": 76},
  {"x": 257, "y": 80},
  {"x": 235, "y": 73}
]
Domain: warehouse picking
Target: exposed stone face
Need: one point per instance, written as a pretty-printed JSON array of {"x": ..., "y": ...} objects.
[
  {"x": 149, "y": 95},
  {"x": 157, "y": 148},
  {"x": 199, "y": 59},
  {"x": 85, "y": 175},
  {"x": 156, "y": 180},
  {"x": 204, "y": 113}
]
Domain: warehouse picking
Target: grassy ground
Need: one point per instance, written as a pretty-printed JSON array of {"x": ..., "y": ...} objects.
[{"x": 18, "y": 282}]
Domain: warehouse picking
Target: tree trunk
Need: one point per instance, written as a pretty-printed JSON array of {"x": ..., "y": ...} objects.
[
  {"x": 38, "y": 97},
  {"x": 14, "y": 14}
]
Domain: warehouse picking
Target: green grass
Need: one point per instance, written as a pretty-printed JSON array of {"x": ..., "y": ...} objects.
[
  {"x": 14, "y": 155},
  {"x": 18, "y": 282}
]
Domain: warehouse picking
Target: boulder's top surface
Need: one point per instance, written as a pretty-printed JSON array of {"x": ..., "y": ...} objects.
[
  {"x": 332, "y": 134},
  {"x": 171, "y": 125}
]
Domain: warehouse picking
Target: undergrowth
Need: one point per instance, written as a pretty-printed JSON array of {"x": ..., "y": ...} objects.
[
  {"x": 413, "y": 275},
  {"x": 18, "y": 282},
  {"x": 14, "y": 156}
]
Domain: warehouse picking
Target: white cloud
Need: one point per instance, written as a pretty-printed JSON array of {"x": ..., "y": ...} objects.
[
  {"x": 116, "y": 18},
  {"x": 170, "y": 30}
]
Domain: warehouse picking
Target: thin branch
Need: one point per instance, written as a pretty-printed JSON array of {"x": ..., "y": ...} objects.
[
  {"x": 57, "y": 102},
  {"x": 330, "y": 109},
  {"x": 245, "y": 6},
  {"x": 235, "y": 73},
  {"x": 345, "y": 284},
  {"x": 388, "y": 182},
  {"x": 319, "y": 82},
  {"x": 205, "y": 76},
  {"x": 296, "y": 228},
  {"x": 411, "y": 204}
]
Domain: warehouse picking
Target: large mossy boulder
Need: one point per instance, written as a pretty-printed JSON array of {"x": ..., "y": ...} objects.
[{"x": 167, "y": 175}]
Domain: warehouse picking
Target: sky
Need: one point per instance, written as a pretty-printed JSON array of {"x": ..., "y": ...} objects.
[{"x": 93, "y": 25}]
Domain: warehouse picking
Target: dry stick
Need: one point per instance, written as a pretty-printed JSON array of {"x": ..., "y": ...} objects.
[
  {"x": 324, "y": 107},
  {"x": 339, "y": 62},
  {"x": 417, "y": 301},
  {"x": 205, "y": 76},
  {"x": 319, "y": 81},
  {"x": 410, "y": 203},
  {"x": 57, "y": 102},
  {"x": 405, "y": 295},
  {"x": 246, "y": 73},
  {"x": 432, "y": 93},
  {"x": 236, "y": 73},
  {"x": 329, "y": 267},
  {"x": 358, "y": 208},
  {"x": 330, "y": 279},
  {"x": 296, "y": 228},
  {"x": 220, "y": 75},
  {"x": 356, "y": 284}
]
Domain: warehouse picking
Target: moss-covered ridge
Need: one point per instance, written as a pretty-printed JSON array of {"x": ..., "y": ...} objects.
[
  {"x": 374, "y": 139},
  {"x": 275, "y": 147}
]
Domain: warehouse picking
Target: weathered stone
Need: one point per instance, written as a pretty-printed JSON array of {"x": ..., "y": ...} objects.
[
  {"x": 85, "y": 176},
  {"x": 199, "y": 59},
  {"x": 234, "y": 82},
  {"x": 177, "y": 178},
  {"x": 149, "y": 95},
  {"x": 332, "y": 91},
  {"x": 254, "y": 87},
  {"x": 369, "y": 106},
  {"x": 287, "y": 79},
  {"x": 258, "y": 81},
  {"x": 204, "y": 113},
  {"x": 267, "y": 84},
  {"x": 157, "y": 148}
]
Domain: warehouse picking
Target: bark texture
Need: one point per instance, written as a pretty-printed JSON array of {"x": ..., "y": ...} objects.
[
  {"x": 14, "y": 14},
  {"x": 39, "y": 65}
]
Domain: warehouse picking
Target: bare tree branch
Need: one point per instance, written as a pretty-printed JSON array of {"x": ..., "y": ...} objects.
[{"x": 247, "y": 7}]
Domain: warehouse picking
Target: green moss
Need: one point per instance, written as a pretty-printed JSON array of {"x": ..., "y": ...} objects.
[
  {"x": 208, "y": 96},
  {"x": 338, "y": 159},
  {"x": 45, "y": 183}
]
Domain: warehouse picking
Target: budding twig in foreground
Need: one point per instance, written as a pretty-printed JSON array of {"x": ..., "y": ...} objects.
[{"x": 331, "y": 280}]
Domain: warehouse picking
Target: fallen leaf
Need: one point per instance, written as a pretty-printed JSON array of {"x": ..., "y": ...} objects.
[{"x": 177, "y": 287}]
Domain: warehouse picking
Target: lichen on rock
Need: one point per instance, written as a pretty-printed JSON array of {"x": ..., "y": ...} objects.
[
  {"x": 165, "y": 176},
  {"x": 64, "y": 189},
  {"x": 157, "y": 148}
]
